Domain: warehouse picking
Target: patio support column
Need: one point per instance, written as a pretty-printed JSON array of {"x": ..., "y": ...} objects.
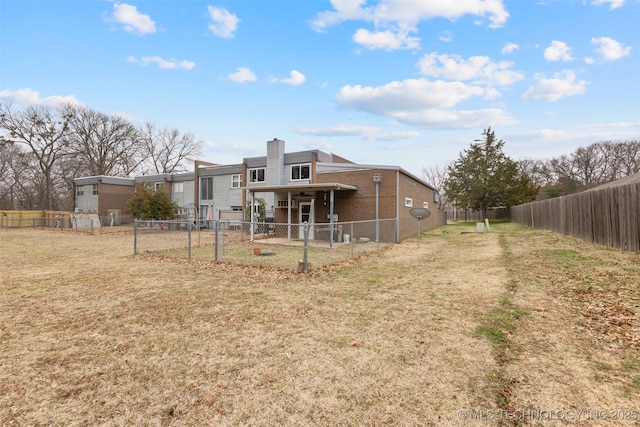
[
  {"x": 289, "y": 216},
  {"x": 331, "y": 218},
  {"x": 252, "y": 212}
]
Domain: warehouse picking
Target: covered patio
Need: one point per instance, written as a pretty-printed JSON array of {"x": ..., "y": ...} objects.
[{"x": 304, "y": 197}]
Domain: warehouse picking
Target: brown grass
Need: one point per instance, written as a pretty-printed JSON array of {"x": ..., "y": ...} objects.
[{"x": 90, "y": 334}]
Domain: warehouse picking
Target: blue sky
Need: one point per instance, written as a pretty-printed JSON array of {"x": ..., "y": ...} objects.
[{"x": 390, "y": 82}]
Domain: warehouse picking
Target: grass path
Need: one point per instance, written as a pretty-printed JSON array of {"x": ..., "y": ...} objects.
[{"x": 90, "y": 335}]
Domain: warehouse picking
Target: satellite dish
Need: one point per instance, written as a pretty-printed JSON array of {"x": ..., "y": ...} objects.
[{"x": 419, "y": 214}]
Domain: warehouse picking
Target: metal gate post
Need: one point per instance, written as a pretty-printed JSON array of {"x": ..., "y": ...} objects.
[{"x": 305, "y": 259}]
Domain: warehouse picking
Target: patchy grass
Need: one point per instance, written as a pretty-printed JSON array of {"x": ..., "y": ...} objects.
[{"x": 90, "y": 334}]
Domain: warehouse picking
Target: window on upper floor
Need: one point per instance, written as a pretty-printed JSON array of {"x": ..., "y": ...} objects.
[
  {"x": 94, "y": 189},
  {"x": 206, "y": 188},
  {"x": 158, "y": 186},
  {"x": 178, "y": 187},
  {"x": 300, "y": 172},
  {"x": 236, "y": 181},
  {"x": 425, "y": 205},
  {"x": 256, "y": 175},
  {"x": 408, "y": 202},
  {"x": 79, "y": 190}
]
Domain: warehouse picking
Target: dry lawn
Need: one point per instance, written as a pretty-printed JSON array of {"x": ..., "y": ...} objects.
[{"x": 512, "y": 320}]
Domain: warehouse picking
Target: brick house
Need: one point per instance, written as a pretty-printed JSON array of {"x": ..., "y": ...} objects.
[
  {"x": 324, "y": 189},
  {"x": 105, "y": 195},
  {"x": 310, "y": 186}
]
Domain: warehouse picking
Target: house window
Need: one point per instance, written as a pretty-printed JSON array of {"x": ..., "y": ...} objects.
[
  {"x": 178, "y": 187},
  {"x": 256, "y": 175},
  {"x": 95, "y": 189},
  {"x": 408, "y": 202},
  {"x": 158, "y": 186},
  {"x": 425, "y": 205},
  {"x": 300, "y": 172},
  {"x": 236, "y": 181},
  {"x": 206, "y": 188},
  {"x": 80, "y": 190},
  {"x": 436, "y": 197}
]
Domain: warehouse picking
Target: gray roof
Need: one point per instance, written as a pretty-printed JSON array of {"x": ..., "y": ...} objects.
[{"x": 114, "y": 180}]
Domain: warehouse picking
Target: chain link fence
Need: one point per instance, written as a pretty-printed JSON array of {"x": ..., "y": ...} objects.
[{"x": 298, "y": 247}]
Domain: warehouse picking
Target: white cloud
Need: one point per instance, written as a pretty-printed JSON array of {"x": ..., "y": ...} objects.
[
  {"x": 339, "y": 130},
  {"x": 387, "y": 40},
  {"x": 163, "y": 64},
  {"x": 446, "y": 36},
  {"x": 613, "y": 4},
  {"x": 610, "y": 49},
  {"x": 421, "y": 102},
  {"x": 558, "y": 51},
  {"x": 457, "y": 119},
  {"x": 132, "y": 20},
  {"x": 28, "y": 96},
  {"x": 406, "y": 14},
  {"x": 540, "y": 134},
  {"x": 612, "y": 125},
  {"x": 477, "y": 69},
  {"x": 408, "y": 95},
  {"x": 242, "y": 75},
  {"x": 561, "y": 85},
  {"x": 296, "y": 78},
  {"x": 224, "y": 23},
  {"x": 509, "y": 48},
  {"x": 366, "y": 132}
]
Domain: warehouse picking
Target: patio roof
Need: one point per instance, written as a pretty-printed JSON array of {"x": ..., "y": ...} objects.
[{"x": 297, "y": 188}]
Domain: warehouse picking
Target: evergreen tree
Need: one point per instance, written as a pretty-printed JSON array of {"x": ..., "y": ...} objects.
[{"x": 484, "y": 177}]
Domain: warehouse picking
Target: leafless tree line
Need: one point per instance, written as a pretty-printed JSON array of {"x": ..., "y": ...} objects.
[
  {"x": 586, "y": 167},
  {"x": 43, "y": 149}
]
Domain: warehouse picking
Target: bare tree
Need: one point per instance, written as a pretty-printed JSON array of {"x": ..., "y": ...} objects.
[
  {"x": 588, "y": 164},
  {"x": 165, "y": 150},
  {"x": 630, "y": 158},
  {"x": 44, "y": 132},
  {"x": 436, "y": 176},
  {"x": 101, "y": 144}
]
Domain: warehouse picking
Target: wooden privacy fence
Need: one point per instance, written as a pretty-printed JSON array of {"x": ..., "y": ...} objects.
[
  {"x": 609, "y": 216},
  {"x": 34, "y": 219}
]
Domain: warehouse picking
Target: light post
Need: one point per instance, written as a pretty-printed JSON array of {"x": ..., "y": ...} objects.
[{"x": 377, "y": 180}]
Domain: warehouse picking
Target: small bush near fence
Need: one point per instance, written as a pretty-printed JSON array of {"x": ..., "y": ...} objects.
[{"x": 280, "y": 246}]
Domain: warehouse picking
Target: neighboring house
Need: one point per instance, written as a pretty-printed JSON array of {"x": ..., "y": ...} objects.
[
  {"x": 178, "y": 186},
  {"x": 220, "y": 190},
  {"x": 311, "y": 186},
  {"x": 105, "y": 195}
]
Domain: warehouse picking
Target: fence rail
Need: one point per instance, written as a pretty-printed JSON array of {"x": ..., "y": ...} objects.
[
  {"x": 275, "y": 245},
  {"x": 609, "y": 217}
]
